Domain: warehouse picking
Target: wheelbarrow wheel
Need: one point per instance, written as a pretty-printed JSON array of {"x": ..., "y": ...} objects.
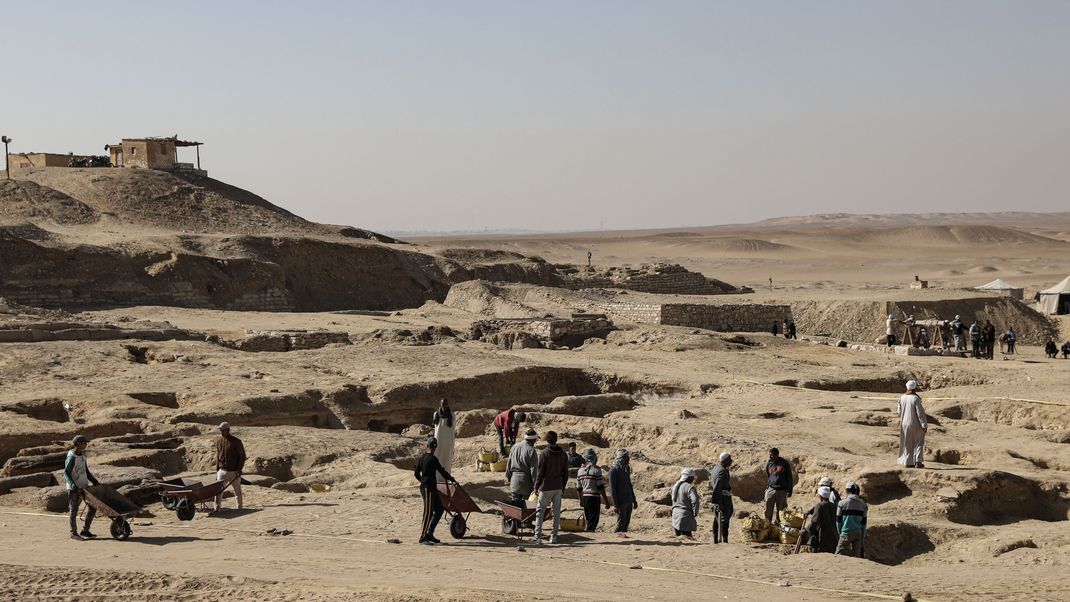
[
  {"x": 458, "y": 526},
  {"x": 169, "y": 502},
  {"x": 510, "y": 526},
  {"x": 185, "y": 510},
  {"x": 120, "y": 529}
]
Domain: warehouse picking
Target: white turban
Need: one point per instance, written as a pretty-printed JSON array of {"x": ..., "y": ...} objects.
[
  {"x": 825, "y": 482},
  {"x": 912, "y": 385},
  {"x": 724, "y": 456},
  {"x": 687, "y": 473},
  {"x": 824, "y": 492}
]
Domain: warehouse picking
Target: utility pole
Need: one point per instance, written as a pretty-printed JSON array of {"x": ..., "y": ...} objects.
[{"x": 7, "y": 160}]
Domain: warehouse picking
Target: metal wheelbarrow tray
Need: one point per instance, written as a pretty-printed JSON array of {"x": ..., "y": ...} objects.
[
  {"x": 109, "y": 503},
  {"x": 459, "y": 505}
]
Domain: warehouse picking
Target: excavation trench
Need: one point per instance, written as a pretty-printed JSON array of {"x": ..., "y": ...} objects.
[{"x": 889, "y": 383}]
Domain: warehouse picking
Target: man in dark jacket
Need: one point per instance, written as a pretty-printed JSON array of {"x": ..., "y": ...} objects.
[
  {"x": 229, "y": 461},
  {"x": 77, "y": 477},
  {"x": 426, "y": 468},
  {"x": 720, "y": 483},
  {"x": 574, "y": 459},
  {"x": 824, "y": 534},
  {"x": 780, "y": 485},
  {"x": 550, "y": 481},
  {"x": 620, "y": 488},
  {"x": 988, "y": 336}
]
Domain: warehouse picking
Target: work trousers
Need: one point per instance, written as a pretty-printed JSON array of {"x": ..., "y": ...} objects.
[
  {"x": 850, "y": 544},
  {"x": 74, "y": 500},
  {"x": 724, "y": 516},
  {"x": 433, "y": 510},
  {"x": 775, "y": 501},
  {"x": 227, "y": 475},
  {"x": 503, "y": 440},
  {"x": 624, "y": 518},
  {"x": 551, "y": 498},
  {"x": 592, "y": 511}
]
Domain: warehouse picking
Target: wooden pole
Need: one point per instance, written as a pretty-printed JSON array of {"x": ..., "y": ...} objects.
[{"x": 198, "y": 147}]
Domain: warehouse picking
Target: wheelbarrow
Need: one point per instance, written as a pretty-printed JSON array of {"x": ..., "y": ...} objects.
[
  {"x": 517, "y": 518},
  {"x": 109, "y": 503},
  {"x": 459, "y": 506},
  {"x": 183, "y": 497}
]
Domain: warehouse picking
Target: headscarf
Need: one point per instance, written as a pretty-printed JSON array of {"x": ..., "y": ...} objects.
[
  {"x": 448, "y": 415},
  {"x": 620, "y": 461},
  {"x": 724, "y": 456},
  {"x": 912, "y": 385},
  {"x": 531, "y": 435},
  {"x": 686, "y": 473},
  {"x": 825, "y": 482},
  {"x": 824, "y": 492},
  {"x": 590, "y": 456}
]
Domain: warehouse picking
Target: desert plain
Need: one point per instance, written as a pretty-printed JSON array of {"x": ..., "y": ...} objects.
[{"x": 143, "y": 308}]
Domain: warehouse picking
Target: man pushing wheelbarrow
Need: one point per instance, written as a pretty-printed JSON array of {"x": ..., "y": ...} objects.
[{"x": 427, "y": 470}]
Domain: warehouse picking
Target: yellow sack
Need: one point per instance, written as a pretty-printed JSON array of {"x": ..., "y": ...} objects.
[
  {"x": 789, "y": 535},
  {"x": 753, "y": 523},
  {"x": 499, "y": 466},
  {"x": 487, "y": 456},
  {"x": 749, "y": 536}
]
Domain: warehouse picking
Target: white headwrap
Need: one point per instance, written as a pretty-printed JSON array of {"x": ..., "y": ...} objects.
[
  {"x": 825, "y": 482},
  {"x": 912, "y": 385},
  {"x": 724, "y": 456},
  {"x": 687, "y": 473},
  {"x": 824, "y": 492}
]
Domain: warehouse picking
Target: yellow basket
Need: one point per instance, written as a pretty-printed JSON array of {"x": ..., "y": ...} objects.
[
  {"x": 488, "y": 457},
  {"x": 792, "y": 518},
  {"x": 499, "y": 466},
  {"x": 320, "y": 487},
  {"x": 573, "y": 524}
]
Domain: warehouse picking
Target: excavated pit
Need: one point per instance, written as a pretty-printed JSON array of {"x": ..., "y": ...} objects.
[
  {"x": 1019, "y": 414},
  {"x": 890, "y": 383},
  {"x": 897, "y": 542},
  {"x": 996, "y": 497}
]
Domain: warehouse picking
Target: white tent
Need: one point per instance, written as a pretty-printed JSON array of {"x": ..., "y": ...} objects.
[
  {"x": 1003, "y": 289},
  {"x": 1055, "y": 300}
]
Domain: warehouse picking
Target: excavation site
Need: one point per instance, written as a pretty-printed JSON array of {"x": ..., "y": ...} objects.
[{"x": 327, "y": 352}]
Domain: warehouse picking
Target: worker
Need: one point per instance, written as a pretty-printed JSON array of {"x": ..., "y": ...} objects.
[
  {"x": 824, "y": 534},
  {"x": 792, "y": 330},
  {"x": 591, "y": 486},
  {"x": 988, "y": 337},
  {"x": 1066, "y": 350},
  {"x": 1011, "y": 339},
  {"x": 957, "y": 330},
  {"x": 520, "y": 468},
  {"x": 923, "y": 338},
  {"x": 834, "y": 495},
  {"x": 721, "y": 486},
  {"x": 574, "y": 459},
  {"x": 889, "y": 332},
  {"x": 507, "y": 423},
  {"x": 784, "y": 329},
  {"x": 77, "y": 477},
  {"x": 229, "y": 461},
  {"x": 975, "y": 339},
  {"x": 442, "y": 420},
  {"x": 1051, "y": 349},
  {"x": 779, "y": 487},
  {"x": 427, "y": 470},
  {"x": 620, "y": 488},
  {"x": 851, "y": 516},
  {"x": 550, "y": 480},
  {"x": 685, "y": 504},
  {"x": 945, "y": 334},
  {"x": 912, "y": 427},
  {"x": 776, "y": 328}
]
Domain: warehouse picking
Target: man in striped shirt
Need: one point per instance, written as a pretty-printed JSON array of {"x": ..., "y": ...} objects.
[{"x": 591, "y": 484}]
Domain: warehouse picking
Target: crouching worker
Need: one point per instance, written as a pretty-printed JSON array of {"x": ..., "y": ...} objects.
[
  {"x": 824, "y": 536},
  {"x": 77, "y": 477},
  {"x": 427, "y": 469},
  {"x": 851, "y": 516}
]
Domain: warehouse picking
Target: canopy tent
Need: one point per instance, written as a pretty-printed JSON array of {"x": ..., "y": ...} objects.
[
  {"x": 1003, "y": 289},
  {"x": 1055, "y": 300}
]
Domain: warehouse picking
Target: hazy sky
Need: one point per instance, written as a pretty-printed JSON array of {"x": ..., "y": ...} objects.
[{"x": 564, "y": 115}]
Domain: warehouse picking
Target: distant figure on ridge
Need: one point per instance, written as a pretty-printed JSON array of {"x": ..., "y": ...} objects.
[
  {"x": 988, "y": 336},
  {"x": 912, "y": 428}
]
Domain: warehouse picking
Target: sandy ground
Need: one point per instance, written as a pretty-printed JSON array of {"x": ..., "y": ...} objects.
[{"x": 988, "y": 518}]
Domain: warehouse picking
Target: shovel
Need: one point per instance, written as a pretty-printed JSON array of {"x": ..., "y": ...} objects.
[{"x": 802, "y": 531}]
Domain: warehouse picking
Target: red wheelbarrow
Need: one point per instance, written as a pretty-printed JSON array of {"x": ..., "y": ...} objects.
[
  {"x": 182, "y": 496},
  {"x": 459, "y": 506},
  {"x": 516, "y": 518}
]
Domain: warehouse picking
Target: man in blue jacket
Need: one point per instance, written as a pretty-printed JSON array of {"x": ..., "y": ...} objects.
[{"x": 780, "y": 485}]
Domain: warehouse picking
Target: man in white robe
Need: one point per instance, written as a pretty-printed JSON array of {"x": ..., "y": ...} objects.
[
  {"x": 685, "y": 504},
  {"x": 912, "y": 428}
]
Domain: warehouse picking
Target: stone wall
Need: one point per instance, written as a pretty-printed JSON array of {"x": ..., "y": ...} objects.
[
  {"x": 725, "y": 317},
  {"x": 287, "y": 340},
  {"x": 666, "y": 279}
]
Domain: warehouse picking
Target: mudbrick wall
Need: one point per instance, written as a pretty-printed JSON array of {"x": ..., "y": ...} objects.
[
  {"x": 725, "y": 318},
  {"x": 669, "y": 279}
]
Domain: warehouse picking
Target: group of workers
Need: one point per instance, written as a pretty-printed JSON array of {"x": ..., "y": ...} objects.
[
  {"x": 1051, "y": 349},
  {"x": 838, "y": 523},
  {"x": 980, "y": 338},
  {"x": 229, "y": 462},
  {"x": 787, "y": 328}
]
